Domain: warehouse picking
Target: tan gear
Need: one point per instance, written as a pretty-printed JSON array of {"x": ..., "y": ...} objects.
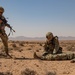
[
  {"x": 49, "y": 34},
  {"x": 1, "y": 9}
]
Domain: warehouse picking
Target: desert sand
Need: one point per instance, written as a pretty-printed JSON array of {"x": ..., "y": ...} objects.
[{"x": 26, "y": 64}]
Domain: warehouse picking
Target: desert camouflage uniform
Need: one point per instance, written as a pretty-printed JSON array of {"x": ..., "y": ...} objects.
[
  {"x": 52, "y": 46},
  {"x": 3, "y": 35},
  {"x": 52, "y": 50}
]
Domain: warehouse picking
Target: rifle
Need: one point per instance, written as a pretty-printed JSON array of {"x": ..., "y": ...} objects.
[
  {"x": 11, "y": 30},
  {"x": 4, "y": 22}
]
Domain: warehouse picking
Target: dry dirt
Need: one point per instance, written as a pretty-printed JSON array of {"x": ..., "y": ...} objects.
[{"x": 25, "y": 64}]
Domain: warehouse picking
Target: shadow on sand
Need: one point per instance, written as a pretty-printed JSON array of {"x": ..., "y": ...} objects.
[{"x": 26, "y": 59}]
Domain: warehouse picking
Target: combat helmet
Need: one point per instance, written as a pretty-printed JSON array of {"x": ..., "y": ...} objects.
[
  {"x": 49, "y": 34},
  {"x": 1, "y": 9}
]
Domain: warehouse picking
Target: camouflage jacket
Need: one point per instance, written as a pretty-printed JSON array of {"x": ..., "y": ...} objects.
[
  {"x": 52, "y": 44},
  {"x": 3, "y": 24}
]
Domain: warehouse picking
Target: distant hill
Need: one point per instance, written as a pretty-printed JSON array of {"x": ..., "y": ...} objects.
[
  {"x": 26, "y": 38},
  {"x": 40, "y": 38},
  {"x": 66, "y": 38}
]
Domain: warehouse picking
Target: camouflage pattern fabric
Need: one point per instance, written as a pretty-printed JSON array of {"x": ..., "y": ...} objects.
[
  {"x": 73, "y": 60},
  {"x": 4, "y": 39},
  {"x": 3, "y": 35},
  {"x": 62, "y": 56},
  {"x": 52, "y": 46}
]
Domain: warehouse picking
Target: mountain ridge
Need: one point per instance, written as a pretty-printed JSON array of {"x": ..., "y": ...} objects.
[{"x": 40, "y": 38}]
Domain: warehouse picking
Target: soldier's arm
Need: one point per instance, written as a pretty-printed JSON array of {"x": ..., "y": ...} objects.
[
  {"x": 3, "y": 19},
  {"x": 8, "y": 25},
  {"x": 56, "y": 45},
  {"x": 46, "y": 46}
]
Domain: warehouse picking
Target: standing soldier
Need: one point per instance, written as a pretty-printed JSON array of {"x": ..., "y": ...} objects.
[
  {"x": 52, "y": 44},
  {"x": 3, "y": 35}
]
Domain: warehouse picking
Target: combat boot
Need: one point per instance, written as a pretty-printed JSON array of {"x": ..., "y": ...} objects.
[{"x": 7, "y": 54}]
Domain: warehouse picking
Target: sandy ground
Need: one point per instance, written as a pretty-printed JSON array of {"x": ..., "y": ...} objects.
[{"x": 23, "y": 51}]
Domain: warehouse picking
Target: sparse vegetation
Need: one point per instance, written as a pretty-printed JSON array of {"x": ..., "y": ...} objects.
[
  {"x": 51, "y": 73},
  {"x": 25, "y": 50},
  {"x": 1, "y": 73},
  {"x": 6, "y": 73},
  {"x": 29, "y": 49},
  {"x": 21, "y": 44},
  {"x": 28, "y": 71},
  {"x": 14, "y": 45},
  {"x": 40, "y": 44}
]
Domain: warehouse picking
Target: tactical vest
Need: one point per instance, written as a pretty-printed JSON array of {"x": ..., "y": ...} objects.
[
  {"x": 2, "y": 25},
  {"x": 51, "y": 43}
]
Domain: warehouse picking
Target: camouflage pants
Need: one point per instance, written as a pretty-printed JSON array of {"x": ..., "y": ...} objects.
[
  {"x": 4, "y": 39},
  {"x": 50, "y": 51}
]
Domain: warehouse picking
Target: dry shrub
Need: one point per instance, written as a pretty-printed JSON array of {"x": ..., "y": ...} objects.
[
  {"x": 26, "y": 42},
  {"x": 20, "y": 50},
  {"x": 12, "y": 41},
  {"x": 27, "y": 71},
  {"x": 51, "y": 73},
  {"x": 66, "y": 72},
  {"x": 16, "y": 41},
  {"x": 29, "y": 48},
  {"x": 14, "y": 45},
  {"x": 32, "y": 42},
  {"x": 40, "y": 44},
  {"x": 31, "y": 45},
  {"x": 6, "y": 73},
  {"x": 1, "y": 73},
  {"x": 21, "y": 44}
]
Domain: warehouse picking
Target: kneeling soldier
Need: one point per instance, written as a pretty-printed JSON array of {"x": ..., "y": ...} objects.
[{"x": 52, "y": 44}]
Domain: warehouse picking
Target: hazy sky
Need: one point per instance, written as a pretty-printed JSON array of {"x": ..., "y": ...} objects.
[{"x": 34, "y": 18}]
